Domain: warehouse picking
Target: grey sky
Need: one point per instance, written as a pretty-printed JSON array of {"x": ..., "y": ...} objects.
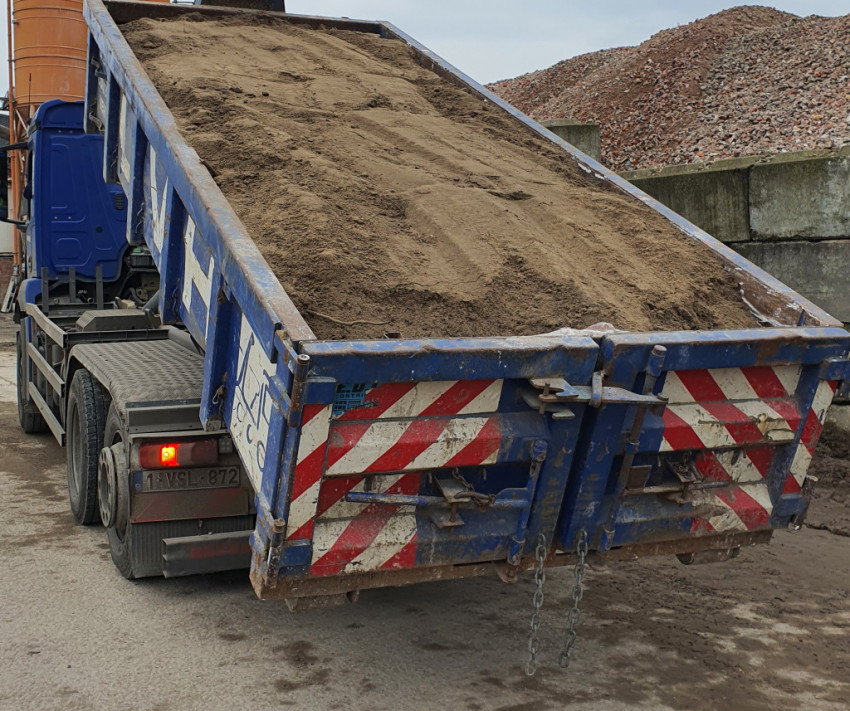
[{"x": 498, "y": 39}]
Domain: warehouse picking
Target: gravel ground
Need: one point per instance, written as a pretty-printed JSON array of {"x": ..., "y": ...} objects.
[{"x": 745, "y": 81}]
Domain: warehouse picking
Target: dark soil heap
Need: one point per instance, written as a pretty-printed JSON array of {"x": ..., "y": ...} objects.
[
  {"x": 745, "y": 81},
  {"x": 380, "y": 193}
]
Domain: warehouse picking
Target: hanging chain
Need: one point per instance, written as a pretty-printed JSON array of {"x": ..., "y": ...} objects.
[
  {"x": 574, "y": 614},
  {"x": 536, "y": 604}
]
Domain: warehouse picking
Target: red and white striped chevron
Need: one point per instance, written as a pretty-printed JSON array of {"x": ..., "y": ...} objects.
[
  {"x": 399, "y": 427},
  {"x": 735, "y": 417}
]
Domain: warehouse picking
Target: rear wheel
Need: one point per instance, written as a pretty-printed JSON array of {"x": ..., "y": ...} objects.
[
  {"x": 114, "y": 493},
  {"x": 85, "y": 422},
  {"x": 28, "y": 415}
]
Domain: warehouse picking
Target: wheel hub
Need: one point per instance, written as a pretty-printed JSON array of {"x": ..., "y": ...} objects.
[{"x": 107, "y": 487}]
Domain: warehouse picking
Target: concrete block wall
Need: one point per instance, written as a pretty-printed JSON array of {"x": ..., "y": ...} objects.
[
  {"x": 789, "y": 213},
  {"x": 584, "y": 136}
]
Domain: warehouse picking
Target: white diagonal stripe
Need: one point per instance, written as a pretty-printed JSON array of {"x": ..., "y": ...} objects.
[
  {"x": 759, "y": 492},
  {"x": 395, "y": 535},
  {"x": 414, "y": 401},
  {"x": 822, "y": 399},
  {"x": 743, "y": 470},
  {"x": 378, "y": 439},
  {"x": 451, "y": 441},
  {"x": 800, "y": 465},
  {"x": 674, "y": 390},
  {"x": 325, "y": 534},
  {"x": 486, "y": 401},
  {"x": 711, "y": 431},
  {"x": 727, "y": 520},
  {"x": 303, "y": 508},
  {"x": 771, "y": 424},
  {"x": 733, "y": 383},
  {"x": 343, "y": 509},
  {"x": 789, "y": 376},
  {"x": 315, "y": 433}
]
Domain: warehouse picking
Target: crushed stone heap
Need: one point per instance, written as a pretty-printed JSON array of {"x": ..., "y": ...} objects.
[{"x": 745, "y": 81}]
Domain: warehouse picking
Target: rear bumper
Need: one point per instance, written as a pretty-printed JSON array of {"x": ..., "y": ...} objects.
[{"x": 210, "y": 553}]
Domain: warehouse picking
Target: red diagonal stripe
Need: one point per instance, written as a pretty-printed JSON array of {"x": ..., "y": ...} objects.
[
  {"x": 711, "y": 398},
  {"x": 362, "y": 530},
  {"x": 310, "y": 411},
  {"x": 811, "y": 431},
  {"x": 405, "y": 558},
  {"x": 764, "y": 381},
  {"x": 333, "y": 489},
  {"x": 422, "y": 433},
  {"x": 710, "y": 467},
  {"x": 750, "y": 511},
  {"x": 679, "y": 433},
  {"x": 737, "y": 423},
  {"x": 792, "y": 486},
  {"x": 456, "y": 397},
  {"x": 485, "y": 443},
  {"x": 787, "y": 410},
  {"x": 378, "y": 400},
  {"x": 701, "y": 385},
  {"x": 701, "y": 524},
  {"x": 762, "y": 458},
  {"x": 307, "y": 472}
]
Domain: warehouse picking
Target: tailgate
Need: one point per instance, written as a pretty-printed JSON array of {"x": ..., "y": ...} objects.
[
  {"x": 729, "y": 452},
  {"x": 414, "y": 455}
]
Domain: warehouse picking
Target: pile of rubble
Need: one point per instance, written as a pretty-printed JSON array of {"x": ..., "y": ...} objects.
[{"x": 744, "y": 81}]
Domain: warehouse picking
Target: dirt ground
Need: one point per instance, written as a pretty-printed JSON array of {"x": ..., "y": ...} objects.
[
  {"x": 388, "y": 200},
  {"x": 768, "y": 630},
  {"x": 831, "y": 466}
]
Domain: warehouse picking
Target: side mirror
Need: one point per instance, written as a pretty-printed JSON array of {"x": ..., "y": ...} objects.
[{"x": 4, "y": 181}]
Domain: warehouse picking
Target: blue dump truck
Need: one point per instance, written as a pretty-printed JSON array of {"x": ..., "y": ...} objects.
[{"x": 208, "y": 428}]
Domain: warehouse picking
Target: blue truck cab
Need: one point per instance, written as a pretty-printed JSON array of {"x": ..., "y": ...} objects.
[{"x": 76, "y": 222}]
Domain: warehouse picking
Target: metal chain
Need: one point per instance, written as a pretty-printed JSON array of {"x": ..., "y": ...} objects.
[
  {"x": 481, "y": 501},
  {"x": 574, "y": 614},
  {"x": 536, "y": 604}
]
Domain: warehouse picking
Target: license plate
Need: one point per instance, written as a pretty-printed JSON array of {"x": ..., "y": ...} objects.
[{"x": 183, "y": 479}]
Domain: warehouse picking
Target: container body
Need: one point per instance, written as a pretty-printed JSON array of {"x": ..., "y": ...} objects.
[{"x": 387, "y": 462}]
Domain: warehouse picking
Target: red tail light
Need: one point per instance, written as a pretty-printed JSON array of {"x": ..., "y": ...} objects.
[{"x": 187, "y": 453}]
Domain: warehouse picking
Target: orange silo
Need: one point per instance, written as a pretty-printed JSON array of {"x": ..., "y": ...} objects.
[{"x": 49, "y": 52}]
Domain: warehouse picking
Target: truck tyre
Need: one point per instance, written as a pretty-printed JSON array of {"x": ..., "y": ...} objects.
[
  {"x": 28, "y": 415},
  {"x": 85, "y": 421},
  {"x": 114, "y": 493}
]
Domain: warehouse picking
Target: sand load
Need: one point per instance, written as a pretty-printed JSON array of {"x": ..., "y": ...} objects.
[{"x": 386, "y": 199}]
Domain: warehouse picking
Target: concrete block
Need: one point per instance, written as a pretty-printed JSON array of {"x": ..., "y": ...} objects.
[
  {"x": 820, "y": 271},
  {"x": 806, "y": 197},
  {"x": 584, "y": 136},
  {"x": 714, "y": 200}
]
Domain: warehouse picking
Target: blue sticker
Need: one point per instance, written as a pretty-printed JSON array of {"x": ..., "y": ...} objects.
[{"x": 350, "y": 396}]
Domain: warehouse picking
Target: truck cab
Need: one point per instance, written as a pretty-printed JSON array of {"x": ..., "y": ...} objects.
[{"x": 75, "y": 222}]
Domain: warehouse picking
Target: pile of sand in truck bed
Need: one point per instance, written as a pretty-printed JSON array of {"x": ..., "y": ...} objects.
[{"x": 379, "y": 192}]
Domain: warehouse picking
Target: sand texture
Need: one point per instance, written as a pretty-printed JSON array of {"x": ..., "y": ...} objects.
[{"x": 380, "y": 193}]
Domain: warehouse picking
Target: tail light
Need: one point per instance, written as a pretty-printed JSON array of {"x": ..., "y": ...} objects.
[{"x": 186, "y": 453}]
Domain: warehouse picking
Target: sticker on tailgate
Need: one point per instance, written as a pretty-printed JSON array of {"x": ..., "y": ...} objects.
[{"x": 350, "y": 395}]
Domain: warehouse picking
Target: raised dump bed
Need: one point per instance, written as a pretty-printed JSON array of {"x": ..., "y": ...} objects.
[{"x": 366, "y": 244}]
